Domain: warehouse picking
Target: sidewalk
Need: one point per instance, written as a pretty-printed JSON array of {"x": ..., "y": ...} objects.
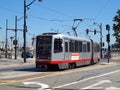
[
  {"x": 18, "y": 61},
  {"x": 104, "y": 61}
]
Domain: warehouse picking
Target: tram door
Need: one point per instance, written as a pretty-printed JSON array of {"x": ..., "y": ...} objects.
[
  {"x": 84, "y": 52},
  {"x": 66, "y": 50}
]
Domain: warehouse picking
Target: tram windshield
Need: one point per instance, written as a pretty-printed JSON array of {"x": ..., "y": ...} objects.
[{"x": 43, "y": 47}]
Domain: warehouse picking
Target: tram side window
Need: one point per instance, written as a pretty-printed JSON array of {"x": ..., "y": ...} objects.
[
  {"x": 84, "y": 48},
  {"x": 88, "y": 46},
  {"x": 71, "y": 46},
  {"x": 76, "y": 46},
  {"x": 58, "y": 45},
  {"x": 80, "y": 46},
  {"x": 66, "y": 47}
]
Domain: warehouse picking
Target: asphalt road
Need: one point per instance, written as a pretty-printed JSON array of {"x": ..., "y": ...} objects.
[{"x": 102, "y": 75}]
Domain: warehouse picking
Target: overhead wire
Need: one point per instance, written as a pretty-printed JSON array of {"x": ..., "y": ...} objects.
[
  {"x": 102, "y": 8},
  {"x": 55, "y": 11},
  {"x": 10, "y": 10}
]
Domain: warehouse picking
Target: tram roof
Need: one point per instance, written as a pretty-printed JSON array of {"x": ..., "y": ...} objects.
[
  {"x": 65, "y": 36},
  {"x": 72, "y": 37}
]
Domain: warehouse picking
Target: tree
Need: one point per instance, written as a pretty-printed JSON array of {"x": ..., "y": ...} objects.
[{"x": 116, "y": 26}]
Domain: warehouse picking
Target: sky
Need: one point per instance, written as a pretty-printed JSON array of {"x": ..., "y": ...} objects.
[{"x": 58, "y": 16}]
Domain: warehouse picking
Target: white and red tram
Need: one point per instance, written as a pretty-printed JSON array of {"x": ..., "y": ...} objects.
[{"x": 63, "y": 52}]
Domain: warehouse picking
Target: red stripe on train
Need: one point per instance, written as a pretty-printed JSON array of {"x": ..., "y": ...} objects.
[{"x": 63, "y": 62}]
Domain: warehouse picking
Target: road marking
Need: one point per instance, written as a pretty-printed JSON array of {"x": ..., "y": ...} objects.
[
  {"x": 15, "y": 74},
  {"x": 68, "y": 84},
  {"x": 96, "y": 84},
  {"x": 42, "y": 85},
  {"x": 6, "y": 81},
  {"x": 112, "y": 88},
  {"x": 58, "y": 73}
]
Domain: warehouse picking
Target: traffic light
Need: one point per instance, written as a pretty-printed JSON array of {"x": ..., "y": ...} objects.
[
  {"x": 108, "y": 37},
  {"x": 107, "y": 27},
  {"x": 94, "y": 31},
  {"x": 103, "y": 44},
  {"x": 15, "y": 42},
  {"x": 87, "y": 31}
]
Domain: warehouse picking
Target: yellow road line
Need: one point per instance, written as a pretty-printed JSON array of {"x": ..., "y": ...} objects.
[{"x": 3, "y": 82}]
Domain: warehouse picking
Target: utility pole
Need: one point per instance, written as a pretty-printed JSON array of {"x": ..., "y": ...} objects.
[
  {"x": 24, "y": 31},
  {"x": 108, "y": 40},
  {"x": 15, "y": 41},
  {"x": 25, "y": 26},
  {"x": 6, "y": 44}
]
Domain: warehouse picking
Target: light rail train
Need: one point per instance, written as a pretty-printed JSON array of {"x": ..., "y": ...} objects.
[{"x": 58, "y": 51}]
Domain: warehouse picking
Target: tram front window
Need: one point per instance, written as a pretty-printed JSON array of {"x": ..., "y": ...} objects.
[{"x": 43, "y": 47}]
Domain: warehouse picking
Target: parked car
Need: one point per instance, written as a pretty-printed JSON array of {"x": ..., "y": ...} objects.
[{"x": 28, "y": 55}]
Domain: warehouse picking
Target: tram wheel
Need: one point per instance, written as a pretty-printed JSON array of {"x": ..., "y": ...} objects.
[
  {"x": 72, "y": 65},
  {"x": 92, "y": 62}
]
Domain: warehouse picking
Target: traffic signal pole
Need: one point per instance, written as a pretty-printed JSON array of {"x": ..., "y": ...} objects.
[
  {"x": 95, "y": 31},
  {"x": 108, "y": 40},
  {"x": 101, "y": 42}
]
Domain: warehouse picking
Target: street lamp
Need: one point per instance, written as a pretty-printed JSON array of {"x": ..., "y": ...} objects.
[{"x": 25, "y": 27}]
